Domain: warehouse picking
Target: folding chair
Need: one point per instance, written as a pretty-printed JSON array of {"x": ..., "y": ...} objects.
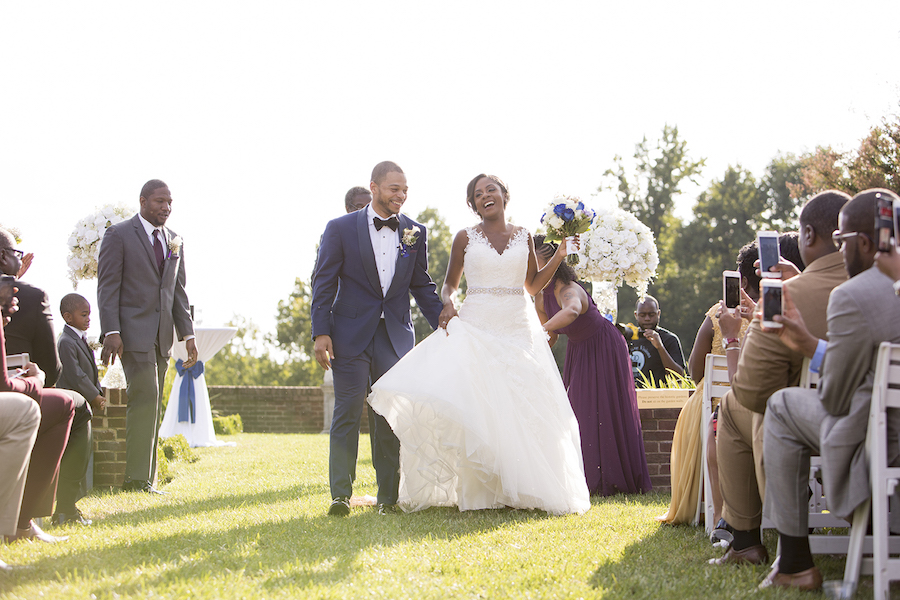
[
  {"x": 883, "y": 478},
  {"x": 715, "y": 384}
]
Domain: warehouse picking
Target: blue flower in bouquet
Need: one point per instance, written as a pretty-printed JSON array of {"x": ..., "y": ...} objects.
[{"x": 566, "y": 216}]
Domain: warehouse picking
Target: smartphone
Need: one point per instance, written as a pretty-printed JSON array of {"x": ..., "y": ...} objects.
[
  {"x": 731, "y": 288},
  {"x": 884, "y": 222},
  {"x": 769, "y": 253},
  {"x": 772, "y": 301}
]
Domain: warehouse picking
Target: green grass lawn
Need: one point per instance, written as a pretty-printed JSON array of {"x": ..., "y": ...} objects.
[{"x": 250, "y": 522}]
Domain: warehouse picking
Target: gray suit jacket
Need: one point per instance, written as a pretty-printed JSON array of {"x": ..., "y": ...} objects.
[
  {"x": 862, "y": 313},
  {"x": 133, "y": 299},
  {"x": 79, "y": 366}
]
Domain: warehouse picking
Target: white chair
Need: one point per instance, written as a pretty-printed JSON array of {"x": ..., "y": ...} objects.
[
  {"x": 883, "y": 478},
  {"x": 715, "y": 384}
]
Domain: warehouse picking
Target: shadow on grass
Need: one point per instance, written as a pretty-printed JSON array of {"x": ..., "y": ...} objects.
[
  {"x": 673, "y": 562},
  {"x": 298, "y": 552}
]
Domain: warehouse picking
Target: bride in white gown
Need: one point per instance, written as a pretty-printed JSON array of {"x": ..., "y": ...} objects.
[{"x": 480, "y": 410}]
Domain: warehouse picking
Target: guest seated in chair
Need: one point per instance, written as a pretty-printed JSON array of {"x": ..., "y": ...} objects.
[
  {"x": 20, "y": 418},
  {"x": 832, "y": 419},
  {"x": 31, "y": 332},
  {"x": 56, "y": 412},
  {"x": 766, "y": 365}
]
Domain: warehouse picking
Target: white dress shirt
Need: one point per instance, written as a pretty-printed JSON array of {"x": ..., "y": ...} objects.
[
  {"x": 78, "y": 332},
  {"x": 386, "y": 245}
]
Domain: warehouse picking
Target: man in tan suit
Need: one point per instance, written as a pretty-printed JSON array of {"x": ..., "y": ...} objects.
[
  {"x": 832, "y": 419},
  {"x": 767, "y": 365}
]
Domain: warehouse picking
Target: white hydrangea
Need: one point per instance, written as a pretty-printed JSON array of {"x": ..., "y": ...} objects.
[
  {"x": 84, "y": 242},
  {"x": 619, "y": 249}
]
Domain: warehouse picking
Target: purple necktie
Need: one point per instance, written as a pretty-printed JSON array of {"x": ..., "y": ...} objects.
[{"x": 158, "y": 250}]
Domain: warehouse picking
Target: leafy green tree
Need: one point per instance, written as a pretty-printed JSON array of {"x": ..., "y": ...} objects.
[
  {"x": 247, "y": 360},
  {"x": 875, "y": 163},
  {"x": 293, "y": 333},
  {"x": 651, "y": 191},
  {"x": 783, "y": 198}
]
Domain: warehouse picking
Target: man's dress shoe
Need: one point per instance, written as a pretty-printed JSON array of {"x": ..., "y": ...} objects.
[
  {"x": 138, "y": 485},
  {"x": 809, "y": 580},
  {"x": 340, "y": 507},
  {"x": 61, "y": 518},
  {"x": 754, "y": 555},
  {"x": 35, "y": 533},
  {"x": 386, "y": 509}
]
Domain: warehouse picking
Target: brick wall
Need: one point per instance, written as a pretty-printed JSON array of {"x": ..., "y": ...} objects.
[
  {"x": 271, "y": 409},
  {"x": 109, "y": 441},
  {"x": 301, "y": 410},
  {"x": 658, "y": 425}
]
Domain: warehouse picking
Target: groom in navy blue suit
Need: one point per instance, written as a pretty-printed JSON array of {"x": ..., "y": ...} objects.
[{"x": 369, "y": 263}]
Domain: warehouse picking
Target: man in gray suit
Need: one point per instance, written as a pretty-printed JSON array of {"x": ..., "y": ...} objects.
[
  {"x": 140, "y": 292},
  {"x": 832, "y": 419}
]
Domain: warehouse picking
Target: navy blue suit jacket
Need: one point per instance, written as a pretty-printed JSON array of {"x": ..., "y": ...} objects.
[{"x": 349, "y": 312}]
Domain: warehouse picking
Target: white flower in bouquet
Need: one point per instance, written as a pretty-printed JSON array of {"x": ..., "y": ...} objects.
[
  {"x": 564, "y": 217},
  {"x": 84, "y": 242},
  {"x": 619, "y": 249},
  {"x": 114, "y": 379}
]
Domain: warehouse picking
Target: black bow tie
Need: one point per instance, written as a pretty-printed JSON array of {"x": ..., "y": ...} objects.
[{"x": 393, "y": 223}]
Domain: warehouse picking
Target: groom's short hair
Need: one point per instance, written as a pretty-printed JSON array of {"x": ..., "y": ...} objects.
[
  {"x": 382, "y": 169},
  {"x": 150, "y": 186}
]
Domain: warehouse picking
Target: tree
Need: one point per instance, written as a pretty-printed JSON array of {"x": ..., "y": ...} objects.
[
  {"x": 246, "y": 360},
  {"x": 876, "y": 163},
  {"x": 650, "y": 193},
  {"x": 293, "y": 333},
  {"x": 440, "y": 242}
]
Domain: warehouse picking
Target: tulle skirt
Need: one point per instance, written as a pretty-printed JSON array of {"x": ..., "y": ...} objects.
[{"x": 483, "y": 422}]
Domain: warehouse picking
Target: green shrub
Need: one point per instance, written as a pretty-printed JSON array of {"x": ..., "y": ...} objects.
[
  {"x": 169, "y": 450},
  {"x": 228, "y": 424}
]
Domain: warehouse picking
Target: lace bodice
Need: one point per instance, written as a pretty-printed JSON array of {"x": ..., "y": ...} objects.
[{"x": 496, "y": 301}]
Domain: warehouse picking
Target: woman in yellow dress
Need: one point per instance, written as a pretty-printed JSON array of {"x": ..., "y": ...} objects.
[{"x": 685, "y": 460}]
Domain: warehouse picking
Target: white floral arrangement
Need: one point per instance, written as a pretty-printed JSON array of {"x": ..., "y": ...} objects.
[
  {"x": 620, "y": 249},
  {"x": 566, "y": 216},
  {"x": 84, "y": 242}
]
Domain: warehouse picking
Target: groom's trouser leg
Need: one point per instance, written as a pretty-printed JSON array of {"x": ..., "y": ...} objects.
[
  {"x": 351, "y": 378},
  {"x": 146, "y": 374},
  {"x": 386, "y": 446}
]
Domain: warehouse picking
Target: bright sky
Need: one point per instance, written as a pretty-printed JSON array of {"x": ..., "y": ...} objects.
[{"x": 260, "y": 115}]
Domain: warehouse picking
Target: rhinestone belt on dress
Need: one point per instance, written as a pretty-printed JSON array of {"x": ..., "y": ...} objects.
[{"x": 496, "y": 291}]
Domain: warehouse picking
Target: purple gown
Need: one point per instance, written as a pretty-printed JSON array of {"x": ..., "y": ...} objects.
[{"x": 597, "y": 375}]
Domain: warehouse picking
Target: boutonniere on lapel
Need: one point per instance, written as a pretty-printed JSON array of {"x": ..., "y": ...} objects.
[
  {"x": 409, "y": 239},
  {"x": 94, "y": 344},
  {"x": 174, "y": 247}
]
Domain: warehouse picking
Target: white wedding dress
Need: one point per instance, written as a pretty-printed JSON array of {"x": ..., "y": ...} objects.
[{"x": 481, "y": 412}]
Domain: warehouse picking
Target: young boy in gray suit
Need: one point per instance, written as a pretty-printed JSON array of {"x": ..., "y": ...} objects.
[{"x": 79, "y": 373}]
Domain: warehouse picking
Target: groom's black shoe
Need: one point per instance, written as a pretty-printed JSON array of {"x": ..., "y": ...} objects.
[
  {"x": 386, "y": 509},
  {"x": 340, "y": 507}
]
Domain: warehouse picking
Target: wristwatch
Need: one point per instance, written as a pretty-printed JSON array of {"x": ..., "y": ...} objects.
[{"x": 727, "y": 341}]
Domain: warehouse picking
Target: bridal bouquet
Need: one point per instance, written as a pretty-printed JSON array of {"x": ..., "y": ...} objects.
[
  {"x": 84, "y": 243},
  {"x": 564, "y": 217},
  {"x": 618, "y": 248}
]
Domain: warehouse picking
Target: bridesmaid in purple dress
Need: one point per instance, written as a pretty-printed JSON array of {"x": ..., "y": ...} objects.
[{"x": 597, "y": 375}]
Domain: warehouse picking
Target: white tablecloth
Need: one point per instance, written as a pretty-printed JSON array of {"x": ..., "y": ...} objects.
[{"x": 200, "y": 433}]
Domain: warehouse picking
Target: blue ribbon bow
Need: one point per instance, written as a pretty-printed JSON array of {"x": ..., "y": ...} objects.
[{"x": 186, "y": 393}]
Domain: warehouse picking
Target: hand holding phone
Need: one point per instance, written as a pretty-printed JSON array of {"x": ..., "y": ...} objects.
[
  {"x": 884, "y": 222},
  {"x": 769, "y": 253},
  {"x": 772, "y": 302},
  {"x": 731, "y": 288}
]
